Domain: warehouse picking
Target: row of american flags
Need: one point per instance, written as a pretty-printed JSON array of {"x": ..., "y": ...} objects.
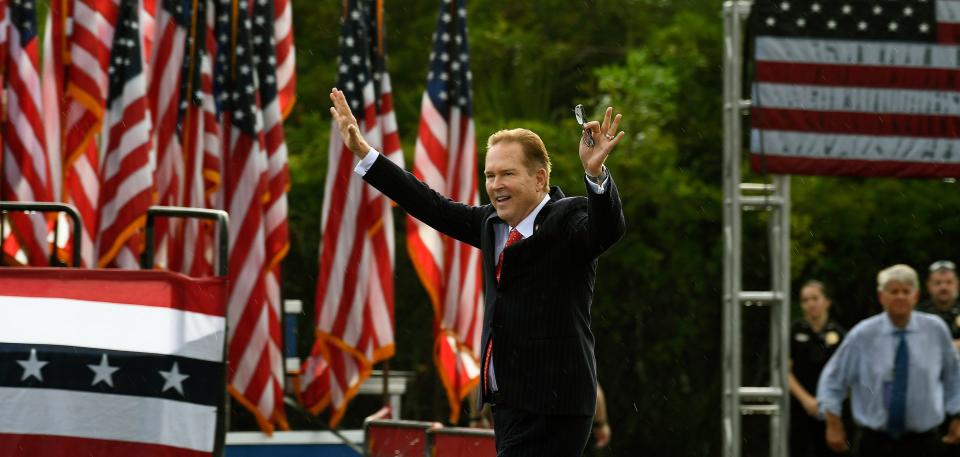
[
  {"x": 126, "y": 104},
  {"x": 123, "y": 104}
]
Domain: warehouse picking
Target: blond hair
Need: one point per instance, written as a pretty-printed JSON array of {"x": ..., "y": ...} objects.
[{"x": 535, "y": 153}]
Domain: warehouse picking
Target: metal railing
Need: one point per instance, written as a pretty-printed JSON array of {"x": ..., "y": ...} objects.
[
  {"x": 219, "y": 216},
  {"x": 46, "y": 207}
]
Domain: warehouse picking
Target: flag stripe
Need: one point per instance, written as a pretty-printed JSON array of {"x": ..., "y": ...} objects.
[
  {"x": 853, "y": 167},
  {"x": 109, "y": 326},
  {"x": 852, "y": 52},
  {"x": 818, "y": 98},
  {"x": 948, "y": 11},
  {"x": 138, "y": 374},
  {"x": 884, "y": 124},
  {"x": 171, "y": 423},
  {"x": 948, "y": 33},
  {"x": 152, "y": 288},
  {"x": 933, "y": 79},
  {"x": 32, "y": 444},
  {"x": 862, "y": 147}
]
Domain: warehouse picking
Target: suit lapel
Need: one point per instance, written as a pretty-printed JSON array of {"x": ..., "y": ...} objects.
[{"x": 489, "y": 263}]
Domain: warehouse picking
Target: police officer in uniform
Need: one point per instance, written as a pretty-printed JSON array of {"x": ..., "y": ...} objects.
[
  {"x": 813, "y": 339},
  {"x": 942, "y": 286}
]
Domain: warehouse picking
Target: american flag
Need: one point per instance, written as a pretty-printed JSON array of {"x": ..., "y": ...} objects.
[
  {"x": 286, "y": 56},
  {"x": 213, "y": 155},
  {"x": 109, "y": 363},
  {"x": 278, "y": 180},
  {"x": 446, "y": 160},
  {"x": 355, "y": 287},
  {"x": 166, "y": 65},
  {"x": 128, "y": 164},
  {"x": 26, "y": 172},
  {"x": 87, "y": 79},
  {"x": 255, "y": 359},
  {"x": 200, "y": 136},
  {"x": 860, "y": 88}
]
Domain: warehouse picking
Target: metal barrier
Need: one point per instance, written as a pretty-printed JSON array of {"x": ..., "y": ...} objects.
[
  {"x": 46, "y": 207},
  {"x": 217, "y": 215},
  {"x": 396, "y": 438},
  {"x": 461, "y": 442},
  {"x": 400, "y": 438}
]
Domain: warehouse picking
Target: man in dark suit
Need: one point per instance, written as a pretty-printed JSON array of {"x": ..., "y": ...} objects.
[{"x": 540, "y": 253}]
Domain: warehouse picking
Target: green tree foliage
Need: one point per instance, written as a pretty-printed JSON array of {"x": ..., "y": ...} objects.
[{"x": 657, "y": 310}]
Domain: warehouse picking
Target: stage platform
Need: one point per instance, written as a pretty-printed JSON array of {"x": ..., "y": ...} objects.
[{"x": 294, "y": 444}]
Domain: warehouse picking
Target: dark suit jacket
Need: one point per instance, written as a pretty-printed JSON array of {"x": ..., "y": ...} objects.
[{"x": 539, "y": 313}]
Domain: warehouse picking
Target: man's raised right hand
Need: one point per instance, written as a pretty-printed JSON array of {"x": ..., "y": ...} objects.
[{"x": 349, "y": 129}]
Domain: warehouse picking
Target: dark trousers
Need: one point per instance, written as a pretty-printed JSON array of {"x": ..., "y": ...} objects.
[
  {"x": 808, "y": 436},
  {"x": 522, "y": 433},
  {"x": 880, "y": 444}
]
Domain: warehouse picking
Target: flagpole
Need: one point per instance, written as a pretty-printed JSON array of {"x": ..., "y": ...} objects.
[
  {"x": 386, "y": 363},
  {"x": 451, "y": 49},
  {"x": 3, "y": 149}
]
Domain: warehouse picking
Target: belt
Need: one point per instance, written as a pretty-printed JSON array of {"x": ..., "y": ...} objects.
[{"x": 905, "y": 436}]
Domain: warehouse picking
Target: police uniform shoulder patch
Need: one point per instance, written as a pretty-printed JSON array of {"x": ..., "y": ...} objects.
[
  {"x": 802, "y": 337},
  {"x": 832, "y": 338}
]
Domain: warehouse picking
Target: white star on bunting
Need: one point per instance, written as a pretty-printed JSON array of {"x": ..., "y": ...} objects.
[
  {"x": 173, "y": 379},
  {"x": 32, "y": 367},
  {"x": 103, "y": 372}
]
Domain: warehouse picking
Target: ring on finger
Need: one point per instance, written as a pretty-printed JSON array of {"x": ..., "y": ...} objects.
[{"x": 609, "y": 136}]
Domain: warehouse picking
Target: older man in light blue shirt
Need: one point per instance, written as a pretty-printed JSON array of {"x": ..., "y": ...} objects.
[{"x": 903, "y": 373}]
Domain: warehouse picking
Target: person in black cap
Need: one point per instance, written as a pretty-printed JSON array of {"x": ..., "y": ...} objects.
[
  {"x": 942, "y": 285},
  {"x": 812, "y": 341}
]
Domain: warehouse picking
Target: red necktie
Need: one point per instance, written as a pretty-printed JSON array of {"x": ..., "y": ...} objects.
[{"x": 512, "y": 238}]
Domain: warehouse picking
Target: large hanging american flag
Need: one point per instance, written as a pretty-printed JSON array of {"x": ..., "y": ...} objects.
[
  {"x": 26, "y": 172},
  {"x": 860, "y": 88},
  {"x": 128, "y": 164},
  {"x": 446, "y": 159},
  {"x": 355, "y": 288},
  {"x": 254, "y": 356}
]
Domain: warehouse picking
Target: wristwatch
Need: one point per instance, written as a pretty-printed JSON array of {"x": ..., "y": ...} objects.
[{"x": 598, "y": 180}]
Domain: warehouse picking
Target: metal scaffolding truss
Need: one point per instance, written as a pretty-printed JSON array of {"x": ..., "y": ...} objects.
[{"x": 740, "y": 197}]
